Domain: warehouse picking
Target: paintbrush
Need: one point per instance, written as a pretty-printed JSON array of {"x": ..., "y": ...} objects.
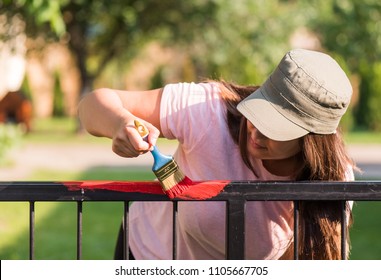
[{"x": 170, "y": 176}]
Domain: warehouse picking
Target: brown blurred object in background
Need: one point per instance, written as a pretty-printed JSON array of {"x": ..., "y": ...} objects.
[{"x": 16, "y": 108}]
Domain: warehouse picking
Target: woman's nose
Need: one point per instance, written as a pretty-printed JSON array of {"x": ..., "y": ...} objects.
[{"x": 255, "y": 133}]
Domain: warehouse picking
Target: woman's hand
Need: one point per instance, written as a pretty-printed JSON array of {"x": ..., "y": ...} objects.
[{"x": 127, "y": 142}]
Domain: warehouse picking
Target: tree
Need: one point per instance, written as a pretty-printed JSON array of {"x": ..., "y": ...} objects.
[
  {"x": 249, "y": 39},
  {"x": 99, "y": 31},
  {"x": 351, "y": 30}
]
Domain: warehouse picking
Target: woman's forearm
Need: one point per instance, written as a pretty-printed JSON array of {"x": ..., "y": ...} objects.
[{"x": 102, "y": 112}]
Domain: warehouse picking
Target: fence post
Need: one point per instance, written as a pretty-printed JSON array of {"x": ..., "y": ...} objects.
[
  {"x": 79, "y": 230},
  {"x": 126, "y": 228},
  {"x": 343, "y": 230},
  {"x": 296, "y": 229},
  {"x": 235, "y": 224},
  {"x": 31, "y": 230}
]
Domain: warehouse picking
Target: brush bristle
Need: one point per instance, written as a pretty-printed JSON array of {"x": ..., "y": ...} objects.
[
  {"x": 179, "y": 188},
  {"x": 170, "y": 177}
]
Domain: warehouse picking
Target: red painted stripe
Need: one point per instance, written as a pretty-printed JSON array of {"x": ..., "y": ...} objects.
[
  {"x": 151, "y": 187},
  {"x": 186, "y": 189}
]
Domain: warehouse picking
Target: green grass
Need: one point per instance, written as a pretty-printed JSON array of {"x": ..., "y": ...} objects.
[
  {"x": 366, "y": 231},
  {"x": 13, "y": 228},
  {"x": 55, "y": 232},
  {"x": 60, "y": 131}
]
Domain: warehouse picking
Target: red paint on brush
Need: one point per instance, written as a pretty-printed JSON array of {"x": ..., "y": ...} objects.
[
  {"x": 186, "y": 189},
  {"x": 179, "y": 188}
]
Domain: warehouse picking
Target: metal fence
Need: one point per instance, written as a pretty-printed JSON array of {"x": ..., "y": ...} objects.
[{"x": 235, "y": 194}]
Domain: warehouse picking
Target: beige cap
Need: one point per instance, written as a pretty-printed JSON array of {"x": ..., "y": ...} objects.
[{"x": 307, "y": 92}]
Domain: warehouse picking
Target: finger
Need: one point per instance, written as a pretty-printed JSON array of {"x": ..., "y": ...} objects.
[
  {"x": 125, "y": 150},
  {"x": 153, "y": 135},
  {"x": 135, "y": 140}
]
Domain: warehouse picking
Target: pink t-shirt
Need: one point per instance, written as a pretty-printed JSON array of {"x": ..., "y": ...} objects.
[{"x": 196, "y": 116}]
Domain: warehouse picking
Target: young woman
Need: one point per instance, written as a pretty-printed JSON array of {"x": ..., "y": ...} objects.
[{"x": 284, "y": 130}]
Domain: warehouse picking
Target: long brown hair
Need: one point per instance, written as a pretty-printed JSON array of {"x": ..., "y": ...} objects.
[{"x": 324, "y": 159}]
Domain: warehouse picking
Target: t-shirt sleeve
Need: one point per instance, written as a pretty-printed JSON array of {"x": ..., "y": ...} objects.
[
  {"x": 188, "y": 110},
  {"x": 349, "y": 174}
]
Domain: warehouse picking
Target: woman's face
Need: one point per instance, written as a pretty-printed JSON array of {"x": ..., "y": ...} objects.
[{"x": 261, "y": 147}]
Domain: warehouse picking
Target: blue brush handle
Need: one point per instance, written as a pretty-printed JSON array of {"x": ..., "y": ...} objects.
[{"x": 159, "y": 159}]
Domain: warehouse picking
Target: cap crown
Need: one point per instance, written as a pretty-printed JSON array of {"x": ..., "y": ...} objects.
[{"x": 310, "y": 89}]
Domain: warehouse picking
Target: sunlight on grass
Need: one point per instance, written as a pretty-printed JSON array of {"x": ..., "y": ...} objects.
[
  {"x": 12, "y": 225},
  {"x": 14, "y": 230}
]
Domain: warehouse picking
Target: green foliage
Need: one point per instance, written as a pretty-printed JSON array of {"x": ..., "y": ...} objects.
[
  {"x": 368, "y": 113},
  {"x": 246, "y": 40},
  {"x": 157, "y": 79},
  {"x": 58, "y": 99},
  {"x": 350, "y": 28},
  {"x": 38, "y": 13},
  {"x": 10, "y": 136}
]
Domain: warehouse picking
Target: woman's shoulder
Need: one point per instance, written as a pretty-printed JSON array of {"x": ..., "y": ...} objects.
[
  {"x": 189, "y": 109},
  {"x": 183, "y": 88}
]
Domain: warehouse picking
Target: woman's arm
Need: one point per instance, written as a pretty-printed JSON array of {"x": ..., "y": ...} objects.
[{"x": 111, "y": 113}]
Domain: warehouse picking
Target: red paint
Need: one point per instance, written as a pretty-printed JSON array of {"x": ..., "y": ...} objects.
[
  {"x": 179, "y": 188},
  {"x": 186, "y": 189},
  {"x": 152, "y": 187},
  {"x": 203, "y": 190}
]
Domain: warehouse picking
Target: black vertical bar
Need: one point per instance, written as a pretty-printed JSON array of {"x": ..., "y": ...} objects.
[
  {"x": 343, "y": 230},
  {"x": 296, "y": 230},
  {"x": 235, "y": 229},
  {"x": 174, "y": 232},
  {"x": 126, "y": 248},
  {"x": 31, "y": 230},
  {"x": 79, "y": 230}
]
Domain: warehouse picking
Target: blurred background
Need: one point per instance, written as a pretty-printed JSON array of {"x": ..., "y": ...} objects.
[{"x": 54, "y": 52}]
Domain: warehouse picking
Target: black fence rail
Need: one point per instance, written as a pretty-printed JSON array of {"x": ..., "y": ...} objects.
[{"x": 235, "y": 194}]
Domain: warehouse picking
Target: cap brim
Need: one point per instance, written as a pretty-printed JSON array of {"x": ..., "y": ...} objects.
[{"x": 263, "y": 115}]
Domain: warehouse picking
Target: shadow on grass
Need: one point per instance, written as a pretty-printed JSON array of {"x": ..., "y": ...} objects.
[{"x": 55, "y": 227}]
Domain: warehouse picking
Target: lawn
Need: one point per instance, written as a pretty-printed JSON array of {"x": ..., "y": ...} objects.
[
  {"x": 366, "y": 230},
  {"x": 56, "y": 221}
]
